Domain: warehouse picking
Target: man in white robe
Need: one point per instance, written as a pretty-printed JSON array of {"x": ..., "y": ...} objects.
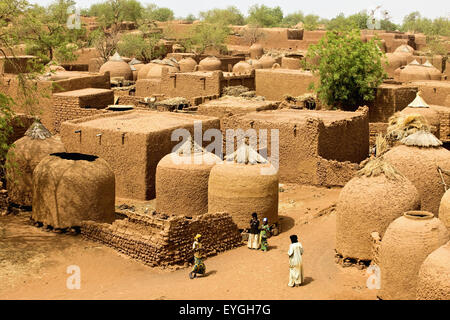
[{"x": 295, "y": 262}]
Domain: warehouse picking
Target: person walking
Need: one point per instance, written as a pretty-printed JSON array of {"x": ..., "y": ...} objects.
[
  {"x": 295, "y": 262},
  {"x": 264, "y": 234},
  {"x": 199, "y": 266},
  {"x": 253, "y": 235}
]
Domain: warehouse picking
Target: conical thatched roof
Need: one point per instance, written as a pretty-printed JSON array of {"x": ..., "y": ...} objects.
[
  {"x": 189, "y": 147},
  {"x": 414, "y": 63},
  {"x": 418, "y": 102},
  {"x": 247, "y": 155},
  {"x": 116, "y": 57},
  {"x": 422, "y": 139},
  {"x": 134, "y": 61},
  {"x": 403, "y": 125},
  {"x": 427, "y": 64},
  {"x": 38, "y": 131}
]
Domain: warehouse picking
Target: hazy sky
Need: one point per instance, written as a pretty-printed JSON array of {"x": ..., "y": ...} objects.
[{"x": 324, "y": 8}]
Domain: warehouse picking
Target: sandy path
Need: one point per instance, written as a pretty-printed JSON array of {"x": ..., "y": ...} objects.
[{"x": 237, "y": 274}]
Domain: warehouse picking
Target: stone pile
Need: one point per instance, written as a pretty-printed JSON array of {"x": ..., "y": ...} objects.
[{"x": 160, "y": 240}]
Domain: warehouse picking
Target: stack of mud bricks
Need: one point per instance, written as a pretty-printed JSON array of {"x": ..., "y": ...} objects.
[
  {"x": 76, "y": 104},
  {"x": 161, "y": 242}
]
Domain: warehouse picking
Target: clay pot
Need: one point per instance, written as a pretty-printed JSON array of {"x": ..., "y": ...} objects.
[
  {"x": 419, "y": 165},
  {"x": 256, "y": 51},
  {"x": 240, "y": 189},
  {"x": 23, "y": 159},
  {"x": 405, "y": 245},
  {"x": 242, "y": 67},
  {"x": 444, "y": 209},
  {"x": 187, "y": 64},
  {"x": 71, "y": 187},
  {"x": 370, "y": 204},
  {"x": 210, "y": 64},
  {"x": 267, "y": 62},
  {"x": 434, "y": 275},
  {"x": 182, "y": 183}
]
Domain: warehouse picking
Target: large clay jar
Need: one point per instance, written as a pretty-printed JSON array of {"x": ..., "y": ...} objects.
[
  {"x": 405, "y": 245},
  {"x": 23, "y": 158},
  {"x": 444, "y": 209},
  {"x": 117, "y": 68},
  {"x": 71, "y": 187},
  {"x": 241, "y": 188},
  {"x": 420, "y": 166},
  {"x": 267, "y": 61},
  {"x": 210, "y": 64},
  {"x": 182, "y": 181},
  {"x": 370, "y": 204},
  {"x": 187, "y": 64},
  {"x": 256, "y": 51},
  {"x": 434, "y": 275}
]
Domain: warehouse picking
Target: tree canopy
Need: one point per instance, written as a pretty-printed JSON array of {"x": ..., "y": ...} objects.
[
  {"x": 264, "y": 16},
  {"x": 228, "y": 16}
]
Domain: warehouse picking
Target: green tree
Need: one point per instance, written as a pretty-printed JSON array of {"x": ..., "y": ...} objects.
[
  {"x": 349, "y": 69},
  {"x": 140, "y": 47},
  {"x": 190, "y": 18},
  {"x": 311, "y": 22},
  {"x": 113, "y": 12},
  {"x": 153, "y": 12},
  {"x": 230, "y": 15},
  {"x": 45, "y": 31},
  {"x": 263, "y": 16},
  {"x": 292, "y": 19},
  {"x": 205, "y": 36}
]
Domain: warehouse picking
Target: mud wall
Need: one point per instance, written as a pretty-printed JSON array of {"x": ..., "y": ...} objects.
[
  {"x": 275, "y": 83},
  {"x": 165, "y": 242},
  {"x": 133, "y": 154},
  {"x": 434, "y": 91}
]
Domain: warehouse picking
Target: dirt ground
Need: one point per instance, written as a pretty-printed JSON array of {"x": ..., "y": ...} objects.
[{"x": 33, "y": 263}]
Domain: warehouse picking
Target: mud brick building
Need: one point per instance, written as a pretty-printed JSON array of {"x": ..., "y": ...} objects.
[
  {"x": 275, "y": 83},
  {"x": 132, "y": 142},
  {"x": 434, "y": 91},
  {"x": 15, "y": 64},
  {"x": 390, "y": 98},
  {"x": 192, "y": 85},
  {"x": 320, "y": 148},
  {"x": 158, "y": 241},
  {"x": 76, "y": 104},
  {"x": 45, "y": 88}
]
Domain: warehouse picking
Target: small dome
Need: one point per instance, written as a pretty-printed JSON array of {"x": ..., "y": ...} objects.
[
  {"x": 435, "y": 74},
  {"x": 444, "y": 209},
  {"x": 117, "y": 68},
  {"x": 256, "y": 51},
  {"x": 405, "y": 50},
  {"x": 210, "y": 64},
  {"x": 187, "y": 64},
  {"x": 267, "y": 61},
  {"x": 406, "y": 244},
  {"x": 255, "y": 64},
  {"x": 413, "y": 71},
  {"x": 242, "y": 67},
  {"x": 155, "y": 71},
  {"x": 434, "y": 275},
  {"x": 23, "y": 159},
  {"x": 85, "y": 186}
]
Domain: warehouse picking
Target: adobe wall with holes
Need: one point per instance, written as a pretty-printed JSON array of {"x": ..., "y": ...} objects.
[
  {"x": 320, "y": 148},
  {"x": 165, "y": 241},
  {"x": 132, "y": 142},
  {"x": 434, "y": 91},
  {"x": 274, "y": 84}
]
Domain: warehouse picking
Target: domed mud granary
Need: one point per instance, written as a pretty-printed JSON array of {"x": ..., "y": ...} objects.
[
  {"x": 419, "y": 158},
  {"x": 210, "y": 64},
  {"x": 117, "y": 67},
  {"x": 244, "y": 183},
  {"x": 405, "y": 245},
  {"x": 242, "y": 67},
  {"x": 187, "y": 64},
  {"x": 434, "y": 275},
  {"x": 182, "y": 180},
  {"x": 142, "y": 72},
  {"x": 256, "y": 51},
  {"x": 369, "y": 203},
  {"x": 71, "y": 187},
  {"x": 37, "y": 143},
  {"x": 267, "y": 61},
  {"x": 444, "y": 209}
]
